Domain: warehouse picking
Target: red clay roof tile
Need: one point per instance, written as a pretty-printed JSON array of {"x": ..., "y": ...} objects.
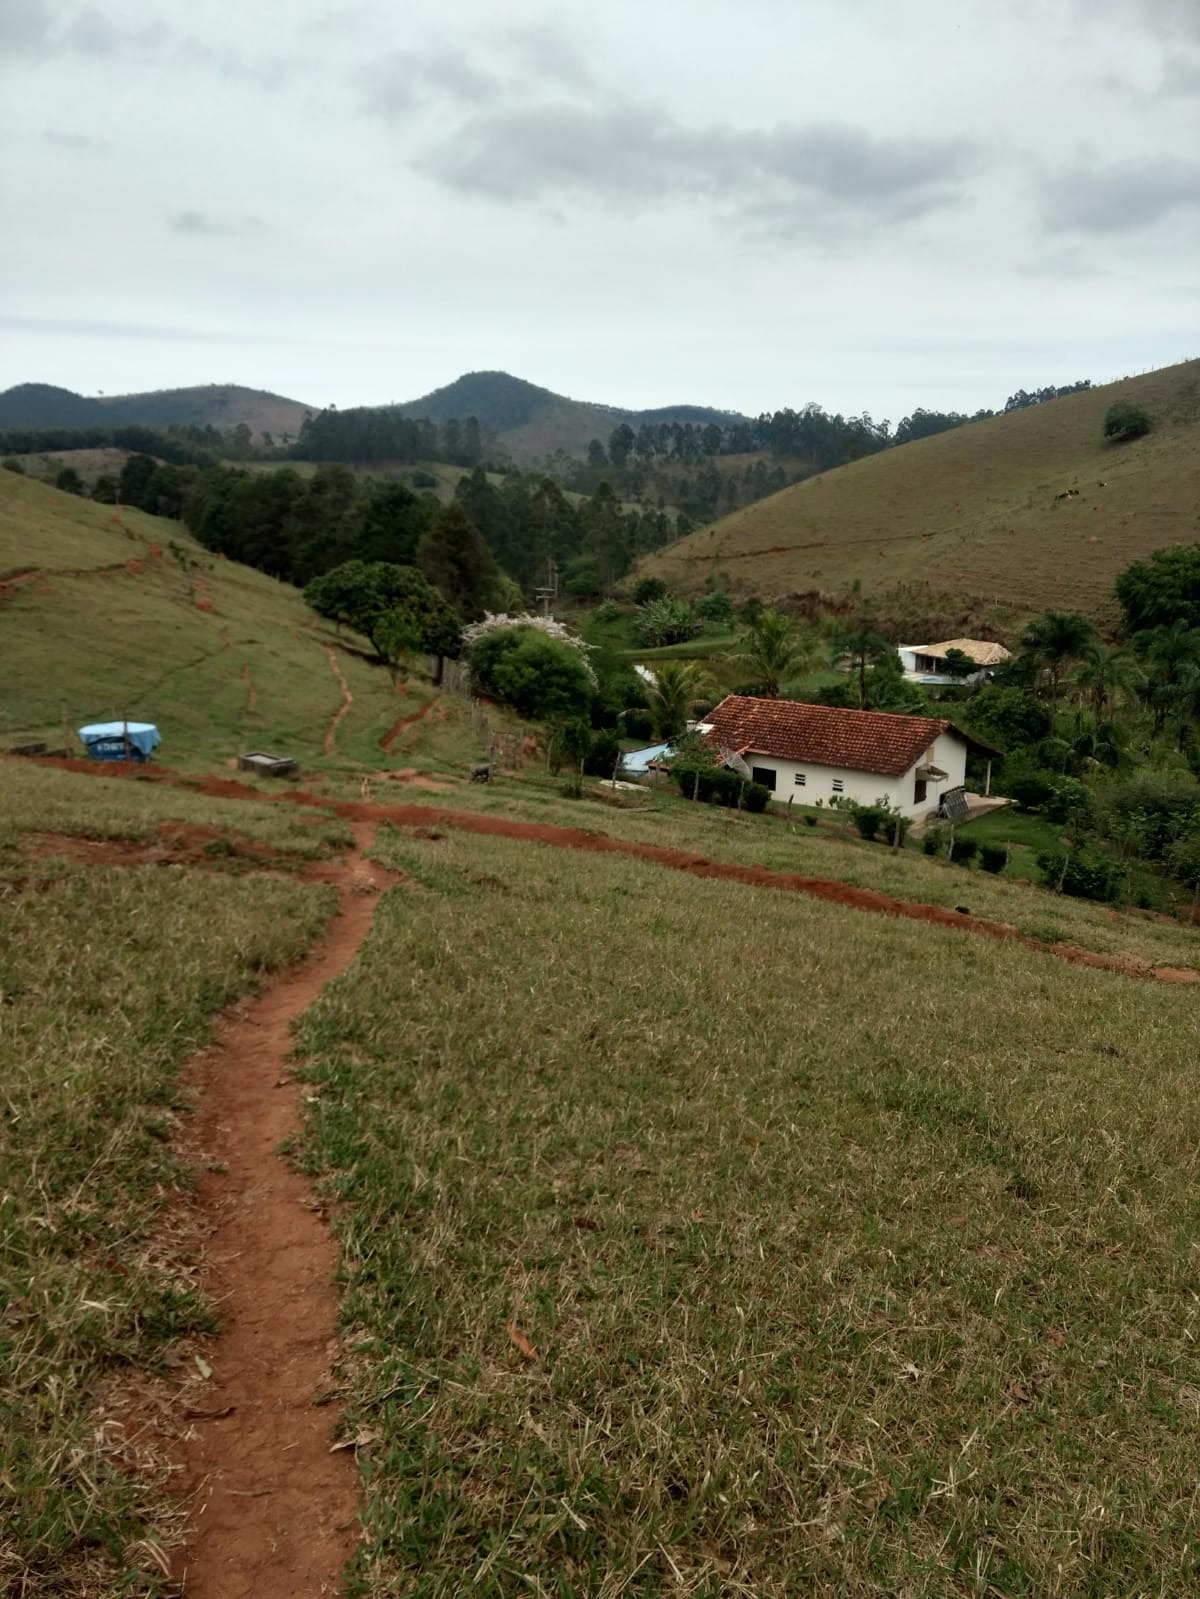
[{"x": 859, "y": 741}]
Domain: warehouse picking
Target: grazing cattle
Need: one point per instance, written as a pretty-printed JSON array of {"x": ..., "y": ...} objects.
[{"x": 1068, "y": 494}]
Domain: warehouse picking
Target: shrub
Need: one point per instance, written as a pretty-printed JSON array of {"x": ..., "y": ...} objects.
[
  {"x": 714, "y": 607},
  {"x": 810, "y": 821},
  {"x": 716, "y": 785},
  {"x": 603, "y": 754},
  {"x": 1081, "y": 874},
  {"x": 933, "y": 841},
  {"x": 582, "y": 577},
  {"x": 665, "y": 622},
  {"x": 11, "y": 464},
  {"x": 1068, "y": 801},
  {"x": 608, "y": 611},
  {"x": 993, "y": 858},
  {"x": 1030, "y": 793},
  {"x": 1151, "y": 814},
  {"x": 870, "y": 820},
  {"x": 421, "y": 479},
  {"x": 649, "y": 589},
  {"x": 1125, "y": 421},
  {"x": 639, "y": 724},
  {"x": 965, "y": 850}
]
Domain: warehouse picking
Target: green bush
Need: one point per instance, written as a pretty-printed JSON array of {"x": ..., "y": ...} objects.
[
  {"x": 11, "y": 464},
  {"x": 1030, "y": 793},
  {"x": 810, "y": 821},
  {"x": 607, "y": 611},
  {"x": 871, "y": 820},
  {"x": 716, "y": 785},
  {"x": 933, "y": 841},
  {"x": 639, "y": 724},
  {"x": 603, "y": 753},
  {"x": 665, "y": 621},
  {"x": 1081, "y": 874},
  {"x": 648, "y": 590},
  {"x": 715, "y": 607},
  {"x": 993, "y": 858},
  {"x": 965, "y": 851},
  {"x": 1151, "y": 813},
  {"x": 1068, "y": 801},
  {"x": 1125, "y": 421}
]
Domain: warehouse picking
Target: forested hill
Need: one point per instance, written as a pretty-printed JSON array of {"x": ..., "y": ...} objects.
[
  {"x": 223, "y": 406},
  {"x": 532, "y": 423}
]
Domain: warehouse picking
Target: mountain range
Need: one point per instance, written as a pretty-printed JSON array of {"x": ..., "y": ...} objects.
[{"x": 529, "y": 422}]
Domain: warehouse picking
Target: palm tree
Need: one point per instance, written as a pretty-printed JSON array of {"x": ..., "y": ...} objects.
[
  {"x": 1054, "y": 640},
  {"x": 1173, "y": 654},
  {"x": 674, "y": 693},
  {"x": 772, "y": 653},
  {"x": 1106, "y": 675}
]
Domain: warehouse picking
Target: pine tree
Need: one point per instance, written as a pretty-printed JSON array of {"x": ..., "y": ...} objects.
[{"x": 456, "y": 561}]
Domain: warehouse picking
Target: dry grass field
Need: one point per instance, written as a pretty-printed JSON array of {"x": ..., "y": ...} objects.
[{"x": 966, "y": 524}]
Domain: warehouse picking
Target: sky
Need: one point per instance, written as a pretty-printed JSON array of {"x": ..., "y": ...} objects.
[{"x": 740, "y": 203}]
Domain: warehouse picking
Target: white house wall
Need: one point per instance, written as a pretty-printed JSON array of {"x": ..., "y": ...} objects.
[{"x": 868, "y": 788}]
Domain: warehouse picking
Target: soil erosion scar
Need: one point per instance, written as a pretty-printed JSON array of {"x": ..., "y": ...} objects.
[
  {"x": 393, "y": 733},
  {"x": 274, "y": 1513}
]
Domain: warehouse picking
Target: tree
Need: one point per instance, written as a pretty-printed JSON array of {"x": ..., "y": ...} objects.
[
  {"x": 68, "y": 480},
  {"x": 1106, "y": 675},
  {"x": 1162, "y": 590},
  {"x": 863, "y": 648},
  {"x": 959, "y": 664},
  {"x": 454, "y": 558},
  {"x": 135, "y": 476},
  {"x": 1125, "y": 421},
  {"x": 620, "y": 442},
  {"x": 397, "y": 635},
  {"x": 772, "y": 652},
  {"x": 370, "y": 595},
  {"x": 1054, "y": 641},
  {"x": 595, "y": 454},
  {"x": 677, "y": 688},
  {"x": 539, "y": 676}
]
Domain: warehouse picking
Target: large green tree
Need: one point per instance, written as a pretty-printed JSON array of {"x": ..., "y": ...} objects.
[
  {"x": 387, "y": 604},
  {"x": 1161, "y": 590},
  {"x": 455, "y": 559},
  {"x": 1053, "y": 642}
]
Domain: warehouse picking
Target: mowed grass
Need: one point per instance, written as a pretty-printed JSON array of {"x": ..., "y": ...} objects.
[
  {"x": 43, "y": 799},
  {"x": 701, "y": 1241},
  {"x": 968, "y": 519},
  {"x": 108, "y": 979},
  {"x": 135, "y": 619}
]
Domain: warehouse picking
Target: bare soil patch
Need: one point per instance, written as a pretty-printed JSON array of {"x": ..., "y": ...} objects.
[{"x": 347, "y": 701}]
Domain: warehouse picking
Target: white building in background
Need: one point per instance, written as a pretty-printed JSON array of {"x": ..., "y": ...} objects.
[
  {"x": 926, "y": 663},
  {"x": 821, "y": 752}
]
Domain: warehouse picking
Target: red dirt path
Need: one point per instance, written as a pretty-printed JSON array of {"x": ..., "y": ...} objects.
[
  {"x": 822, "y": 888},
  {"x": 274, "y": 1512},
  {"x": 347, "y": 701},
  {"x": 402, "y": 726}
]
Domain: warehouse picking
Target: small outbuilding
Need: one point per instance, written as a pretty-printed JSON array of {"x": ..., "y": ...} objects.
[
  {"x": 120, "y": 741},
  {"x": 821, "y": 752}
]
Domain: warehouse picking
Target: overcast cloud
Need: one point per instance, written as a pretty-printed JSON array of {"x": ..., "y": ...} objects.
[{"x": 746, "y": 204}]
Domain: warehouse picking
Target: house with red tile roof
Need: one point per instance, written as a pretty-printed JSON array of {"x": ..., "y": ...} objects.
[{"x": 821, "y": 752}]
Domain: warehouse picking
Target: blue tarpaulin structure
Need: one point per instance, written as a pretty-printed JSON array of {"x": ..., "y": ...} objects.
[
  {"x": 638, "y": 762},
  {"x": 119, "y": 741}
]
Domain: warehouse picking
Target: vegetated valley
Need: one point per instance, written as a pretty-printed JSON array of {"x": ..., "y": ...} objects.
[{"x": 728, "y": 1197}]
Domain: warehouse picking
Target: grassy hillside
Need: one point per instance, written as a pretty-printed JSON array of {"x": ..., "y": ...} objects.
[
  {"x": 967, "y": 522},
  {"x": 111, "y": 613}
]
